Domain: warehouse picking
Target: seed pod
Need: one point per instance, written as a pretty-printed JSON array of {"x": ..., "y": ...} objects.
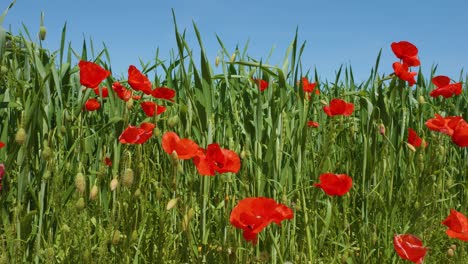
[
  {"x": 20, "y": 136},
  {"x": 127, "y": 179},
  {"x": 80, "y": 182}
]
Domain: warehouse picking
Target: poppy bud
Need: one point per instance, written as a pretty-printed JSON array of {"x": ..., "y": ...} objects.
[
  {"x": 115, "y": 237},
  {"x": 63, "y": 130},
  {"x": 382, "y": 129},
  {"x": 450, "y": 252},
  {"x": 323, "y": 102},
  {"x": 20, "y": 136},
  {"x": 113, "y": 184},
  {"x": 187, "y": 217},
  {"x": 127, "y": 179},
  {"x": 93, "y": 193},
  {"x": 172, "y": 122},
  {"x": 157, "y": 132},
  {"x": 171, "y": 204},
  {"x": 174, "y": 156},
  {"x": 454, "y": 247},
  {"x": 183, "y": 109},
  {"x": 134, "y": 237},
  {"x": 42, "y": 33},
  {"x": 159, "y": 193},
  {"x": 411, "y": 147},
  {"x": 80, "y": 204},
  {"x": 49, "y": 252},
  {"x": 46, "y": 153},
  {"x": 129, "y": 103},
  {"x": 80, "y": 182},
  {"x": 65, "y": 228},
  {"x": 46, "y": 175},
  {"x": 217, "y": 61},
  {"x": 233, "y": 57},
  {"x": 421, "y": 99},
  {"x": 137, "y": 193},
  {"x": 3, "y": 69}
]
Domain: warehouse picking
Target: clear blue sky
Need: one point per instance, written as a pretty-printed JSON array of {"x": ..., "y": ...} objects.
[{"x": 337, "y": 31}]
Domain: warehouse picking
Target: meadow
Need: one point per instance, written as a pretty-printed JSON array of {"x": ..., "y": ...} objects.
[{"x": 93, "y": 181}]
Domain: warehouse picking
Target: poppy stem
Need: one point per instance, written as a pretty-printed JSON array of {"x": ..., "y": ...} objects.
[{"x": 275, "y": 244}]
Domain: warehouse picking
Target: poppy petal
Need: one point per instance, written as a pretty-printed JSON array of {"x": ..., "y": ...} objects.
[{"x": 91, "y": 74}]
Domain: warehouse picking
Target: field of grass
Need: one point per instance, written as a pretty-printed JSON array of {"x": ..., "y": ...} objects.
[{"x": 164, "y": 211}]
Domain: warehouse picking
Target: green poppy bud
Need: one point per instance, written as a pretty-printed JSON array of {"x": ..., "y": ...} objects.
[{"x": 42, "y": 33}]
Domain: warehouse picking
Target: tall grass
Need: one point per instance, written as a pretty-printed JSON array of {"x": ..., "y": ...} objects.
[{"x": 395, "y": 190}]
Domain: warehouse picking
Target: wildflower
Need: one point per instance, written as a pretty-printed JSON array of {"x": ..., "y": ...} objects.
[
  {"x": 91, "y": 74},
  {"x": 151, "y": 108},
  {"x": 2, "y": 172},
  {"x": 105, "y": 91},
  {"x": 414, "y": 140},
  {"x": 312, "y": 124},
  {"x": 252, "y": 215},
  {"x": 164, "y": 93},
  {"x": 215, "y": 159},
  {"x": 339, "y": 107},
  {"x": 108, "y": 161},
  {"x": 122, "y": 92},
  {"x": 2, "y": 144},
  {"x": 460, "y": 134},
  {"x": 137, "y": 135},
  {"x": 309, "y": 87},
  {"x": 262, "y": 84},
  {"x": 92, "y": 104},
  {"x": 409, "y": 247},
  {"x": 457, "y": 224},
  {"x": 138, "y": 81},
  {"x": 406, "y": 52},
  {"x": 444, "y": 88},
  {"x": 445, "y": 125},
  {"x": 402, "y": 71},
  {"x": 184, "y": 148},
  {"x": 335, "y": 184}
]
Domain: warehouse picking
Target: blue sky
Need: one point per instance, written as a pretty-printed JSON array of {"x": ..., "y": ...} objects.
[{"x": 336, "y": 31}]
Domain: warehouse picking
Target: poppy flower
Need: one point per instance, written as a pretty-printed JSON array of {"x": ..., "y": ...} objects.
[
  {"x": 108, "y": 161},
  {"x": 122, "y": 92},
  {"x": 105, "y": 92},
  {"x": 136, "y": 97},
  {"x": 2, "y": 172},
  {"x": 335, "y": 184},
  {"x": 164, "y": 93},
  {"x": 406, "y": 52},
  {"x": 309, "y": 87},
  {"x": 151, "y": 108},
  {"x": 185, "y": 148},
  {"x": 252, "y": 215},
  {"x": 138, "y": 81},
  {"x": 457, "y": 224},
  {"x": 414, "y": 140},
  {"x": 444, "y": 88},
  {"x": 2, "y": 144},
  {"x": 443, "y": 125},
  {"x": 402, "y": 71},
  {"x": 215, "y": 159},
  {"x": 312, "y": 124},
  {"x": 262, "y": 84},
  {"x": 91, "y": 74},
  {"x": 460, "y": 134},
  {"x": 92, "y": 104},
  {"x": 338, "y": 107},
  {"x": 409, "y": 247},
  {"x": 137, "y": 135}
]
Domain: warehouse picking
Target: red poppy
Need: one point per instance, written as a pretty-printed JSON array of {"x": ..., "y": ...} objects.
[
  {"x": 457, "y": 224},
  {"x": 2, "y": 144},
  {"x": 312, "y": 124},
  {"x": 309, "y": 87},
  {"x": 108, "y": 161},
  {"x": 339, "y": 107},
  {"x": 215, "y": 159},
  {"x": 444, "y": 88},
  {"x": 91, "y": 74},
  {"x": 414, "y": 139},
  {"x": 262, "y": 84},
  {"x": 164, "y": 93},
  {"x": 460, "y": 134},
  {"x": 402, "y": 71},
  {"x": 151, "y": 108},
  {"x": 252, "y": 215},
  {"x": 137, "y": 135},
  {"x": 122, "y": 92},
  {"x": 335, "y": 184},
  {"x": 443, "y": 125},
  {"x": 136, "y": 97},
  {"x": 105, "y": 92},
  {"x": 92, "y": 104},
  {"x": 138, "y": 81},
  {"x": 185, "y": 148},
  {"x": 406, "y": 52},
  {"x": 409, "y": 247}
]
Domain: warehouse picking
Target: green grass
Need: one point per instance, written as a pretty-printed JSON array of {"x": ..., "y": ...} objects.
[{"x": 395, "y": 189}]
